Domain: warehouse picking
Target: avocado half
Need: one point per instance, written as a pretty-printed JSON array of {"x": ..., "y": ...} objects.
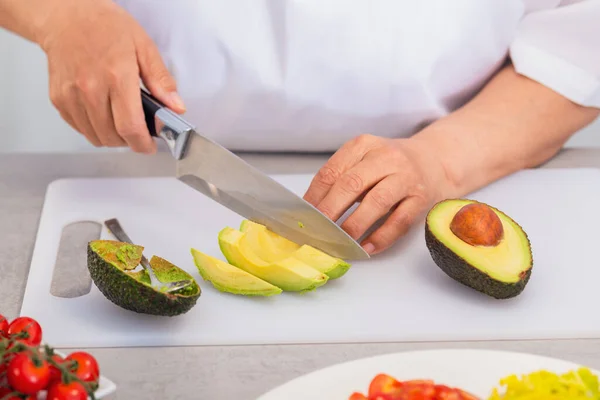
[
  {"x": 111, "y": 265},
  {"x": 479, "y": 246}
]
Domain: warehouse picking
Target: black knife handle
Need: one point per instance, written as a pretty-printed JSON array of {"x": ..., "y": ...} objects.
[{"x": 151, "y": 106}]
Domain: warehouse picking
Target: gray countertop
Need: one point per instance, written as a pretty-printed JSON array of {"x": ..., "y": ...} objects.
[{"x": 212, "y": 373}]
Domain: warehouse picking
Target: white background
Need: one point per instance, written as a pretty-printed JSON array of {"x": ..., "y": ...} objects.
[{"x": 29, "y": 122}]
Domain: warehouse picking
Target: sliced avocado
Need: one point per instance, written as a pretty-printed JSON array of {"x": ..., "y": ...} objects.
[
  {"x": 479, "y": 246},
  {"x": 111, "y": 265},
  {"x": 289, "y": 274},
  {"x": 228, "y": 278},
  {"x": 272, "y": 247},
  {"x": 332, "y": 266}
]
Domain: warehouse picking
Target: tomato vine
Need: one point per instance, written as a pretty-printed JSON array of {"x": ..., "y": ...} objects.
[{"x": 27, "y": 367}]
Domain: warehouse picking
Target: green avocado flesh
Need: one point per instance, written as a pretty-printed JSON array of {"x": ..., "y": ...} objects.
[
  {"x": 111, "y": 265},
  {"x": 288, "y": 273},
  {"x": 272, "y": 247},
  {"x": 228, "y": 278},
  {"x": 500, "y": 271}
]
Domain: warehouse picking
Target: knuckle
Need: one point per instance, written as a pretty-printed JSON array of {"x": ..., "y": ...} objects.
[
  {"x": 129, "y": 129},
  {"x": 56, "y": 98},
  {"x": 420, "y": 191},
  {"x": 114, "y": 75},
  {"x": 352, "y": 182},
  {"x": 87, "y": 84},
  {"x": 327, "y": 175},
  {"x": 400, "y": 220},
  {"x": 62, "y": 93},
  {"x": 352, "y": 227},
  {"x": 396, "y": 156},
  {"x": 382, "y": 198},
  {"x": 364, "y": 139},
  {"x": 164, "y": 79},
  {"x": 326, "y": 210}
]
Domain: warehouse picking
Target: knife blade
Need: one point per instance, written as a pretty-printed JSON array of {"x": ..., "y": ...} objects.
[{"x": 219, "y": 174}]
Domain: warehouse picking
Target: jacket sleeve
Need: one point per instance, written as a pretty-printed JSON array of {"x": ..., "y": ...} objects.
[{"x": 560, "y": 48}]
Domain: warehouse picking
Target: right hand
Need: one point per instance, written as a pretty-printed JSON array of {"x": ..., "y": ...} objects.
[{"x": 97, "y": 54}]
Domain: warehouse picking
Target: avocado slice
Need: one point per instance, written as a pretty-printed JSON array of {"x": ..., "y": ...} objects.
[
  {"x": 228, "y": 278},
  {"x": 272, "y": 247},
  {"x": 479, "y": 246},
  {"x": 289, "y": 274},
  {"x": 112, "y": 268}
]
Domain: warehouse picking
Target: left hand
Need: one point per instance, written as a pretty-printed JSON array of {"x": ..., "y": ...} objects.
[{"x": 398, "y": 175}]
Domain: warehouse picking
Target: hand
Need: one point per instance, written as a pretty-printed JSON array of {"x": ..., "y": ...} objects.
[
  {"x": 397, "y": 175},
  {"x": 96, "y": 54}
]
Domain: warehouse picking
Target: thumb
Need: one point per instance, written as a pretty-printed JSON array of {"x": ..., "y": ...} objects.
[{"x": 157, "y": 78}]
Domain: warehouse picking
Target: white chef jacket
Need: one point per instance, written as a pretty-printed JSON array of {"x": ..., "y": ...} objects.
[{"x": 309, "y": 75}]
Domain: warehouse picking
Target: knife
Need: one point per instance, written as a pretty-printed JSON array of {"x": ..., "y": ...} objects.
[{"x": 224, "y": 177}]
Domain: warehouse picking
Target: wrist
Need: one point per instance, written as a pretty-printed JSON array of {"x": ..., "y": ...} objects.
[
  {"x": 42, "y": 22},
  {"x": 56, "y": 16},
  {"x": 452, "y": 154},
  {"x": 438, "y": 177}
]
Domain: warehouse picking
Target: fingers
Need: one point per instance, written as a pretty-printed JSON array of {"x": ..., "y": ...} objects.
[
  {"x": 375, "y": 204},
  {"x": 100, "y": 96},
  {"x": 352, "y": 184},
  {"x": 396, "y": 225},
  {"x": 156, "y": 76},
  {"x": 94, "y": 101},
  {"x": 66, "y": 116},
  {"x": 82, "y": 122},
  {"x": 346, "y": 157},
  {"x": 128, "y": 114}
]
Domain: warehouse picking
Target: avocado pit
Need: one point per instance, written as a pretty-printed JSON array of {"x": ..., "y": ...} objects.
[{"x": 478, "y": 225}]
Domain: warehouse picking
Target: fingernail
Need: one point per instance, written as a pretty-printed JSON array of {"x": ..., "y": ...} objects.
[
  {"x": 369, "y": 248},
  {"x": 177, "y": 100}
]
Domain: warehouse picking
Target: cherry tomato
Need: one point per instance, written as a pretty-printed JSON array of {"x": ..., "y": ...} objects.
[
  {"x": 29, "y": 325},
  {"x": 55, "y": 375},
  {"x": 5, "y": 361},
  {"x": 87, "y": 367},
  {"x": 383, "y": 384},
  {"x": 5, "y": 391},
  {"x": 67, "y": 391},
  {"x": 385, "y": 387},
  {"x": 3, "y": 326},
  {"x": 25, "y": 376}
]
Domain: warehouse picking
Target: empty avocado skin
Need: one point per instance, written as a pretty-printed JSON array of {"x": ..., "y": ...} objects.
[
  {"x": 469, "y": 275},
  {"x": 132, "y": 290}
]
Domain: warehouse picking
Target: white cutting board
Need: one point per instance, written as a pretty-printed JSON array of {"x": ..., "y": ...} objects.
[{"x": 398, "y": 296}]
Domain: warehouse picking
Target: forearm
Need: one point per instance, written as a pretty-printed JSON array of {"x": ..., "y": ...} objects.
[
  {"x": 513, "y": 123},
  {"x": 25, "y": 18},
  {"x": 34, "y": 19}
]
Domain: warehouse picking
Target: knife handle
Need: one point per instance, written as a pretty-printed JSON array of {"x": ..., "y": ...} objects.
[
  {"x": 151, "y": 106},
  {"x": 165, "y": 124}
]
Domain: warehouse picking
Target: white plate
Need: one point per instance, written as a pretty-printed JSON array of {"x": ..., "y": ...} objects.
[{"x": 476, "y": 371}]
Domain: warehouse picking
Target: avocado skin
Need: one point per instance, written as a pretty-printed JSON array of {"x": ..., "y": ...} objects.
[
  {"x": 458, "y": 269},
  {"x": 130, "y": 294}
]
